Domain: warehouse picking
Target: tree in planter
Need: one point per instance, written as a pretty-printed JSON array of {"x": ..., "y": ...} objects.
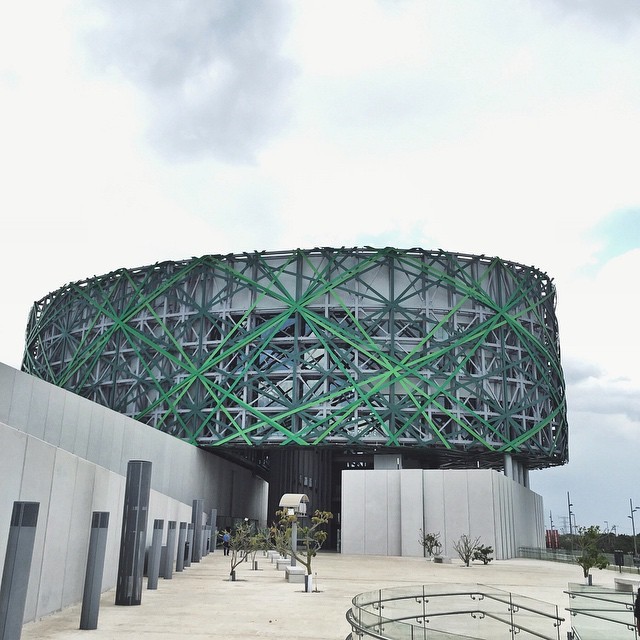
[
  {"x": 261, "y": 541},
  {"x": 430, "y": 543},
  {"x": 240, "y": 547},
  {"x": 310, "y": 537},
  {"x": 466, "y": 547},
  {"x": 590, "y": 556},
  {"x": 280, "y": 536},
  {"x": 482, "y": 553}
]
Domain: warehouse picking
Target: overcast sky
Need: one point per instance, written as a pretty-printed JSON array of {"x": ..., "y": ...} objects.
[{"x": 135, "y": 132}]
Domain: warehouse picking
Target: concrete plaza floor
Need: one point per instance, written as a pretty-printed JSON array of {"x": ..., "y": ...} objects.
[{"x": 201, "y": 602}]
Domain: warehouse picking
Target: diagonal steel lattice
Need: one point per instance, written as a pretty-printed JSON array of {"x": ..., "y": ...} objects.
[{"x": 355, "y": 347}]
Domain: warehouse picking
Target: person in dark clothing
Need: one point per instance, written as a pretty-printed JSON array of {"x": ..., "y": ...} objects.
[
  {"x": 226, "y": 538},
  {"x": 636, "y": 610}
]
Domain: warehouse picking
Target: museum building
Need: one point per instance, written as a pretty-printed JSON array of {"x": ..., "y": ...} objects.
[{"x": 399, "y": 389}]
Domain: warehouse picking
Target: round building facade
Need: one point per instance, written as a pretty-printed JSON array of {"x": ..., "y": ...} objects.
[{"x": 309, "y": 361}]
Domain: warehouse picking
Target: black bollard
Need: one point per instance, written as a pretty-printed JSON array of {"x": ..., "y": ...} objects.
[
  {"x": 134, "y": 533},
  {"x": 196, "y": 519},
  {"x": 182, "y": 540},
  {"x": 214, "y": 530},
  {"x": 189, "y": 547},
  {"x": 153, "y": 562},
  {"x": 167, "y": 569},
  {"x": 95, "y": 569},
  {"x": 17, "y": 564}
]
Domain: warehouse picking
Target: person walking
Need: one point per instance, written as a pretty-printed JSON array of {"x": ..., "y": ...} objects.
[{"x": 226, "y": 539}]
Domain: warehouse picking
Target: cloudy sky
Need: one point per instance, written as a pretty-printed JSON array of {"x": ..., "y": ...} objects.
[{"x": 134, "y": 132}]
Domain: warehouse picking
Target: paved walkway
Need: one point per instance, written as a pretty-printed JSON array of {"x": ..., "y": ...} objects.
[{"x": 201, "y": 602}]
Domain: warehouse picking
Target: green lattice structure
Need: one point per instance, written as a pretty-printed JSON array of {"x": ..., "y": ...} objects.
[{"x": 453, "y": 355}]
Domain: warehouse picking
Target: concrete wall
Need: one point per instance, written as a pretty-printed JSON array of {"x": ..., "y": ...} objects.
[
  {"x": 71, "y": 456},
  {"x": 384, "y": 510}
]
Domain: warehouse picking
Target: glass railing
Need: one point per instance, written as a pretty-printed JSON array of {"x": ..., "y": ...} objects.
[
  {"x": 630, "y": 563},
  {"x": 451, "y": 612},
  {"x": 599, "y": 613}
]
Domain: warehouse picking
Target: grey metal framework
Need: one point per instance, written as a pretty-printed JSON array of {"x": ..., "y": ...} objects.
[{"x": 453, "y": 355}]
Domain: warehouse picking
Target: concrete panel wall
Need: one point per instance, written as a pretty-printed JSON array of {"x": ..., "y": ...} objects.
[
  {"x": 12, "y": 451},
  {"x": 456, "y": 512},
  {"x": 411, "y": 515},
  {"x": 434, "y": 505},
  {"x": 352, "y": 517},
  {"x": 71, "y": 456},
  {"x": 478, "y": 503},
  {"x": 109, "y": 439},
  {"x": 481, "y": 506},
  {"x": 503, "y": 518},
  {"x": 377, "y": 517}
]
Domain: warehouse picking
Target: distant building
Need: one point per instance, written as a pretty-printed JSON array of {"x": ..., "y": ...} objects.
[{"x": 302, "y": 364}]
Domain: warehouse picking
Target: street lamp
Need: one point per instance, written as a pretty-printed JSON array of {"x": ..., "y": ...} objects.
[
  {"x": 633, "y": 528},
  {"x": 554, "y": 536},
  {"x": 570, "y": 504},
  {"x": 295, "y": 505}
]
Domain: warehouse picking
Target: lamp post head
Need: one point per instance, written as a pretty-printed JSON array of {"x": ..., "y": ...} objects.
[{"x": 294, "y": 503}]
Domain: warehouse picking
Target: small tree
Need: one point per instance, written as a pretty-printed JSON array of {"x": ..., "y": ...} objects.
[
  {"x": 311, "y": 537},
  {"x": 430, "y": 542},
  {"x": 280, "y": 535},
  {"x": 483, "y": 553},
  {"x": 466, "y": 547},
  {"x": 590, "y": 556},
  {"x": 261, "y": 541},
  {"x": 240, "y": 546}
]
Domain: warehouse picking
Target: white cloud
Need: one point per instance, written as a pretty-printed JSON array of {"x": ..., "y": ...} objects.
[
  {"x": 212, "y": 74},
  {"x": 598, "y": 315},
  {"x": 495, "y": 128}
]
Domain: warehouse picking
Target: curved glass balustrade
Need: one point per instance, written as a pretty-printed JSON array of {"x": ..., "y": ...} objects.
[{"x": 451, "y": 612}]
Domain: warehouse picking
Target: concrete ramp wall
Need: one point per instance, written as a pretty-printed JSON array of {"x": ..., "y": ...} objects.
[{"x": 71, "y": 456}]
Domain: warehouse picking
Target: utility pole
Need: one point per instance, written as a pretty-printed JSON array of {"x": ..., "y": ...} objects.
[
  {"x": 553, "y": 539},
  {"x": 633, "y": 528},
  {"x": 569, "y": 505}
]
